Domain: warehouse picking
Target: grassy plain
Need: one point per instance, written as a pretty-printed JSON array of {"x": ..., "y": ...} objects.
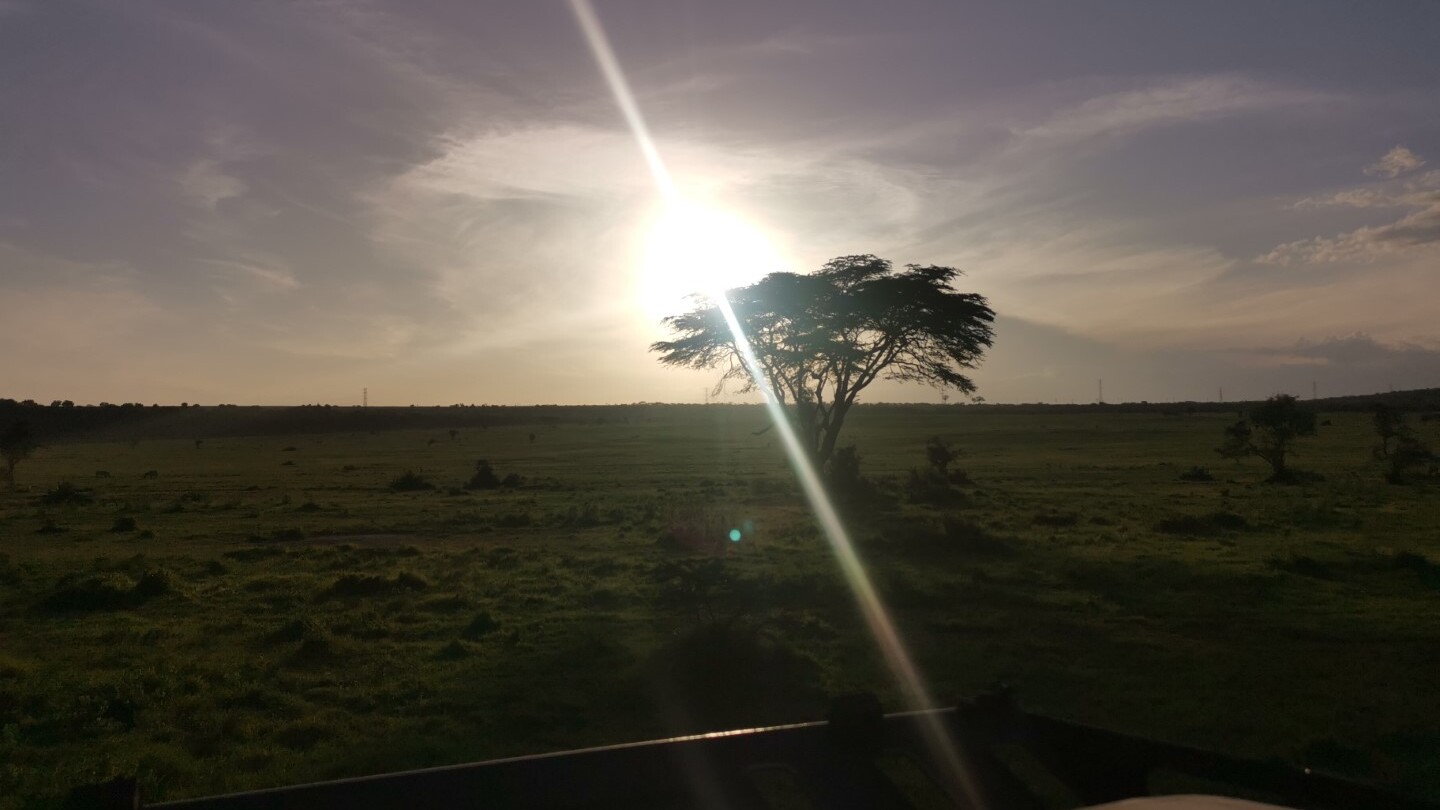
[{"x": 277, "y": 614}]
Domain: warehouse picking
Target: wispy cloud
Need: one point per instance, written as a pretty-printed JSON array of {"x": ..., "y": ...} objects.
[
  {"x": 1419, "y": 229},
  {"x": 1396, "y": 162},
  {"x": 1167, "y": 103},
  {"x": 267, "y": 273}
]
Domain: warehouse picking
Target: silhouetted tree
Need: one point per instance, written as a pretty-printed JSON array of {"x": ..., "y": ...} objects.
[
  {"x": 1399, "y": 448},
  {"x": 821, "y": 339},
  {"x": 1391, "y": 427},
  {"x": 1268, "y": 430},
  {"x": 17, "y": 443}
]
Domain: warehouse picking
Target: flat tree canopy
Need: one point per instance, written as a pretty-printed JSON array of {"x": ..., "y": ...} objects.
[{"x": 821, "y": 338}]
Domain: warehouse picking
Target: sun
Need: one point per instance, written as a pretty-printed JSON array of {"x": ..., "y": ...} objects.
[{"x": 693, "y": 248}]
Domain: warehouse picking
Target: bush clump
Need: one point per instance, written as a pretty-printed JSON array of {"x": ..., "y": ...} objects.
[
  {"x": 96, "y": 592},
  {"x": 109, "y": 591},
  {"x": 376, "y": 584},
  {"x": 1197, "y": 474},
  {"x": 932, "y": 487},
  {"x": 66, "y": 493},
  {"x": 123, "y": 525},
  {"x": 1208, "y": 524},
  {"x": 482, "y": 625},
  {"x": 484, "y": 476},
  {"x": 1056, "y": 519},
  {"x": 409, "y": 481},
  {"x": 156, "y": 582},
  {"x": 1301, "y": 564}
]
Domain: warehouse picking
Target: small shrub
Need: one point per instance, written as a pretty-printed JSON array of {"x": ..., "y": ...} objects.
[
  {"x": 67, "y": 493},
  {"x": 308, "y": 506},
  {"x": 514, "y": 520},
  {"x": 97, "y": 592},
  {"x": 300, "y": 628},
  {"x": 354, "y": 585},
  {"x": 511, "y": 481},
  {"x": 482, "y": 625},
  {"x": 1300, "y": 564},
  {"x": 1207, "y": 524},
  {"x": 931, "y": 486},
  {"x": 454, "y": 651},
  {"x": 695, "y": 527},
  {"x": 123, "y": 524},
  {"x": 703, "y": 589},
  {"x": 1411, "y": 560},
  {"x": 290, "y": 535},
  {"x": 253, "y": 554},
  {"x": 581, "y": 517},
  {"x": 484, "y": 476},
  {"x": 939, "y": 454},
  {"x": 1056, "y": 519},
  {"x": 156, "y": 582},
  {"x": 1196, "y": 473},
  {"x": 410, "y": 482},
  {"x": 843, "y": 473}
]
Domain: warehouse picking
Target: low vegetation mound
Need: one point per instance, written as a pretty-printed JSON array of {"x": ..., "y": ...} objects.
[
  {"x": 409, "y": 481},
  {"x": 352, "y": 585},
  {"x": 109, "y": 591},
  {"x": 1211, "y": 523}
]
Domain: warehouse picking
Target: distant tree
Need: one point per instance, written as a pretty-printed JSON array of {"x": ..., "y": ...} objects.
[
  {"x": 1391, "y": 427},
  {"x": 1269, "y": 430},
  {"x": 17, "y": 443},
  {"x": 1399, "y": 449},
  {"x": 821, "y": 339}
]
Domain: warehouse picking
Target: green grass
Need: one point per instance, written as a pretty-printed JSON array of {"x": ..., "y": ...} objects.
[{"x": 237, "y": 621}]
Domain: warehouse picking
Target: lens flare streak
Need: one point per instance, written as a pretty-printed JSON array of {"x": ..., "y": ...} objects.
[{"x": 887, "y": 638}]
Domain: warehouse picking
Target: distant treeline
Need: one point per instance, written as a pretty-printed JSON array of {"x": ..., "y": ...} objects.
[{"x": 60, "y": 421}]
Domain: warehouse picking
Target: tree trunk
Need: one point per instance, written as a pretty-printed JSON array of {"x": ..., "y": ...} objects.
[
  {"x": 1277, "y": 465},
  {"x": 832, "y": 435}
]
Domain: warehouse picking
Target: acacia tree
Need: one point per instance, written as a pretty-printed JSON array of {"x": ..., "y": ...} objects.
[
  {"x": 17, "y": 443},
  {"x": 822, "y": 338},
  {"x": 1399, "y": 449},
  {"x": 1268, "y": 431}
]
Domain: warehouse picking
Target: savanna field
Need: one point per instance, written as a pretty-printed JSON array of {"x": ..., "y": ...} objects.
[{"x": 248, "y": 611}]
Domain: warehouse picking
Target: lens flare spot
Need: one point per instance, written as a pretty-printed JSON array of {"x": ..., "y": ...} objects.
[{"x": 735, "y": 535}]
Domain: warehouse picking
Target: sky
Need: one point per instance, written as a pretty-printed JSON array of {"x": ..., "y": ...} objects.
[{"x": 288, "y": 202}]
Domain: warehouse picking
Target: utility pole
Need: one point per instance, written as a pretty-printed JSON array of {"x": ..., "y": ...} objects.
[
  {"x": 1222, "y": 395},
  {"x": 364, "y": 397},
  {"x": 1314, "y": 391},
  {"x": 1100, "y": 384}
]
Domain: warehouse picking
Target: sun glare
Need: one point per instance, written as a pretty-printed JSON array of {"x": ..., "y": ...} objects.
[{"x": 692, "y": 248}]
